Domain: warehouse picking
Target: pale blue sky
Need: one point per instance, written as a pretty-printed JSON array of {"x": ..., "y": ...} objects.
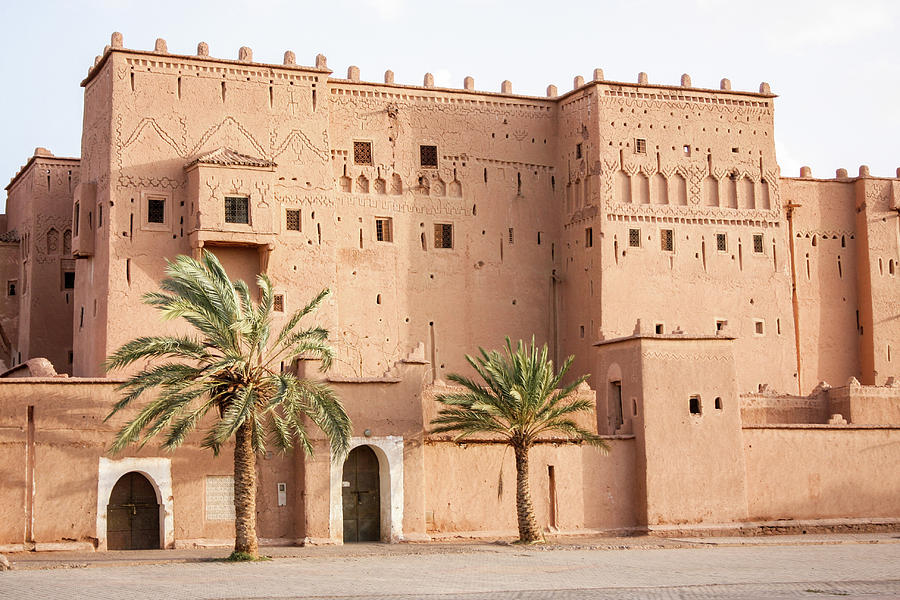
[{"x": 834, "y": 64}]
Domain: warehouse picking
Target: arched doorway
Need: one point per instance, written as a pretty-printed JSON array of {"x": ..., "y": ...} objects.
[
  {"x": 361, "y": 497},
  {"x": 132, "y": 515}
]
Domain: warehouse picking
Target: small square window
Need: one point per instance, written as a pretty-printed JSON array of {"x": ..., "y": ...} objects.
[
  {"x": 589, "y": 237},
  {"x": 695, "y": 406},
  {"x": 634, "y": 238},
  {"x": 428, "y": 156},
  {"x": 640, "y": 146},
  {"x": 237, "y": 209},
  {"x": 735, "y": 150},
  {"x": 384, "y": 229},
  {"x": 721, "y": 242},
  {"x": 720, "y": 325},
  {"x": 362, "y": 153},
  {"x": 278, "y": 303},
  {"x": 443, "y": 235},
  {"x": 667, "y": 240},
  {"x": 759, "y": 328},
  {"x": 292, "y": 219},
  {"x": 68, "y": 280},
  {"x": 156, "y": 210},
  {"x": 659, "y": 328},
  {"x": 687, "y": 149},
  {"x": 758, "y": 243},
  {"x": 577, "y": 150},
  {"x": 11, "y": 287}
]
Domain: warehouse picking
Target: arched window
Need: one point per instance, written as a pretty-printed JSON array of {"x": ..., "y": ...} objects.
[
  {"x": 67, "y": 242},
  {"x": 52, "y": 241}
]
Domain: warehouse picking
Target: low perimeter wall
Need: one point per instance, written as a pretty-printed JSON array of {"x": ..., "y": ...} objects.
[
  {"x": 592, "y": 491},
  {"x": 822, "y": 472}
]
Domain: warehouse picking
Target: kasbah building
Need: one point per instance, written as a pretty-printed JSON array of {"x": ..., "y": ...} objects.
[{"x": 741, "y": 328}]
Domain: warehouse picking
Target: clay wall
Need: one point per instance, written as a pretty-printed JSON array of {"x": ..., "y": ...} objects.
[
  {"x": 486, "y": 186},
  {"x": 39, "y": 208},
  {"x": 465, "y": 496},
  {"x": 821, "y": 472},
  {"x": 577, "y": 279},
  {"x": 866, "y": 404},
  {"x": 766, "y": 409},
  {"x": 825, "y": 255},
  {"x": 700, "y": 164},
  {"x": 9, "y": 300},
  {"x": 66, "y": 427},
  {"x": 878, "y": 222},
  {"x": 687, "y": 430},
  {"x": 97, "y": 283}
]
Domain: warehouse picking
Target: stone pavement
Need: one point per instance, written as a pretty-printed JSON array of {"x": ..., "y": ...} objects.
[{"x": 868, "y": 568}]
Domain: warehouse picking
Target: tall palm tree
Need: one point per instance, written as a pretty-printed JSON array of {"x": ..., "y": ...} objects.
[
  {"x": 229, "y": 368},
  {"x": 518, "y": 400}
]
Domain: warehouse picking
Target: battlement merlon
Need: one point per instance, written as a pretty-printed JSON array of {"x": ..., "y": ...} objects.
[
  {"x": 841, "y": 175},
  {"x": 682, "y": 92},
  {"x": 244, "y": 59}
]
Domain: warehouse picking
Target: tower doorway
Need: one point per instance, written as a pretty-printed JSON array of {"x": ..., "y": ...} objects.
[
  {"x": 132, "y": 515},
  {"x": 361, "y": 497}
]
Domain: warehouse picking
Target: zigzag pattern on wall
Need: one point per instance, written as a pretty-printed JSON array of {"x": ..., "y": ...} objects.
[{"x": 685, "y": 356}]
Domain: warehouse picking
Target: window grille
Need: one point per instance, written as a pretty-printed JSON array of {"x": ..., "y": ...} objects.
[
  {"x": 278, "y": 303},
  {"x": 428, "y": 156},
  {"x": 758, "y": 243},
  {"x": 443, "y": 235},
  {"x": 634, "y": 238},
  {"x": 640, "y": 146},
  {"x": 667, "y": 240},
  {"x": 721, "y": 242},
  {"x": 156, "y": 210},
  {"x": 237, "y": 209},
  {"x": 383, "y": 230},
  {"x": 362, "y": 153},
  {"x": 292, "y": 219}
]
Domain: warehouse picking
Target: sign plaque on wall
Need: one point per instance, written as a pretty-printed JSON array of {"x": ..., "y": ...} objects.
[{"x": 219, "y": 498}]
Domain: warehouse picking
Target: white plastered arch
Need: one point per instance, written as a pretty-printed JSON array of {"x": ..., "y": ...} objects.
[
  {"x": 389, "y": 450},
  {"x": 158, "y": 471}
]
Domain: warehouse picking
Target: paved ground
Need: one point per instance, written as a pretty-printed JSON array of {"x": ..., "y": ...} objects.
[{"x": 833, "y": 566}]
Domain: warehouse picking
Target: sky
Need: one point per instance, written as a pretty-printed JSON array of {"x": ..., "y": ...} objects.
[{"x": 834, "y": 64}]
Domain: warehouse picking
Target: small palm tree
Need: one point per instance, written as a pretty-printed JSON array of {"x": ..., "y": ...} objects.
[
  {"x": 518, "y": 400},
  {"x": 229, "y": 368}
]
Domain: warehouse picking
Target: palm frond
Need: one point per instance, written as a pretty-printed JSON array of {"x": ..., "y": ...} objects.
[{"x": 517, "y": 398}]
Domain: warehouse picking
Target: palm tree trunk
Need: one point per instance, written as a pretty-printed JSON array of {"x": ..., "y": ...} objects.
[
  {"x": 528, "y": 529},
  {"x": 245, "y": 492}
]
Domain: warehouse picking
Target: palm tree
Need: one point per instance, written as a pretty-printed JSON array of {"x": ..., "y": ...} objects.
[
  {"x": 230, "y": 367},
  {"x": 518, "y": 400}
]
